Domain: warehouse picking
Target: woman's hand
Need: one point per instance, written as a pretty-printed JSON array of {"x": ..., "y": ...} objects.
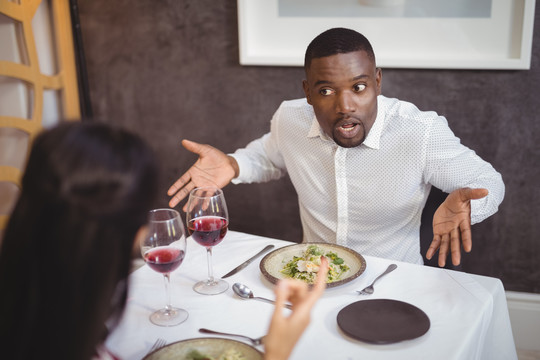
[{"x": 285, "y": 331}]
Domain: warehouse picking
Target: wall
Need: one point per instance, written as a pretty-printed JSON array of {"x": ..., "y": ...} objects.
[{"x": 171, "y": 72}]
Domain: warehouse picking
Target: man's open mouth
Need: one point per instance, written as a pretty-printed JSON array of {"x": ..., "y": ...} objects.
[{"x": 348, "y": 127}]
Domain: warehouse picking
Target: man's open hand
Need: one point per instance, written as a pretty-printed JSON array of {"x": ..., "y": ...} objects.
[
  {"x": 213, "y": 168},
  {"x": 452, "y": 225}
]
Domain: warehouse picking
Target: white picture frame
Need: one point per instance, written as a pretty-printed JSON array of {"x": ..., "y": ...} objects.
[{"x": 501, "y": 41}]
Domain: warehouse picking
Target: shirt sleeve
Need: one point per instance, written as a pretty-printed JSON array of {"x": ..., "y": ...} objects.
[
  {"x": 261, "y": 160},
  {"x": 450, "y": 165}
]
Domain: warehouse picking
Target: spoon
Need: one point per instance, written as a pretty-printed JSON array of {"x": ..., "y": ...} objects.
[{"x": 245, "y": 293}]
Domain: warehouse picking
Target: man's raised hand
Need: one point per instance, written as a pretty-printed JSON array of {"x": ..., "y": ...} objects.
[{"x": 213, "y": 168}]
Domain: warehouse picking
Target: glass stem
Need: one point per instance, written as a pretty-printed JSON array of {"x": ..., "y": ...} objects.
[
  {"x": 210, "y": 270},
  {"x": 167, "y": 278}
]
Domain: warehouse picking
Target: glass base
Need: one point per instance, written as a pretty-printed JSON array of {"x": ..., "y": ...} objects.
[
  {"x": 169, "y": 317},
  {"x": 207, "y": 287}
]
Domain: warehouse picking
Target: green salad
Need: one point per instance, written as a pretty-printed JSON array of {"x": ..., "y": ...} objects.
[
  {"x": 230, "y": 354},
  {"x": 305, "y": 267}
]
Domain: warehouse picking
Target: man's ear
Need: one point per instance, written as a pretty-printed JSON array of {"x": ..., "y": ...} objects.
[
  {"x": 378, "y": 79},
  {"x": 305, "y": 85}
]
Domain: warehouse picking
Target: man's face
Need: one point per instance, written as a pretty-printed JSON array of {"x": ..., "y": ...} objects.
[{"x": 343, "y": 91}]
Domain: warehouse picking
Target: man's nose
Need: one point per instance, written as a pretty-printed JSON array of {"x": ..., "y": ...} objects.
[{"x": 345, "y": 103}]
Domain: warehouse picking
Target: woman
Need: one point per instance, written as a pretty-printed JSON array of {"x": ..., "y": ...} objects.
[
  {"x": 65, "y": 256},
  {"x": 66, "y": 253}
]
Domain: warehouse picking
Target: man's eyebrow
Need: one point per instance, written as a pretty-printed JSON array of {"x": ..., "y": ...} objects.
[
  {"x": 322, "y": 82},
  {"x": 326, "y": 82},
  {"x": 363, "y": 76}
]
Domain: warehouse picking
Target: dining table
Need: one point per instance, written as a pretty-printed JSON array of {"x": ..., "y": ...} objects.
[{"x": 468, "y": 314}]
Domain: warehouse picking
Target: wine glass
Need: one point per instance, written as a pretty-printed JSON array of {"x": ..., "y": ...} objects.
[
  {"x": 164, "y": 249},
  {"x": 207, "y": 221}
]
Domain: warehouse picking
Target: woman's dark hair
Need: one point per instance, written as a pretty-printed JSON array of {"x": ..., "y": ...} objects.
[
  {"x": 66, "y": 252},
  {"x": 337, "y": 41}
]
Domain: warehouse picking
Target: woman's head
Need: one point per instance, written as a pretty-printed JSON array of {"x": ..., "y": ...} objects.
[
  {"x": 86, "y": 191},
  {"x": 94, "y": 170}
]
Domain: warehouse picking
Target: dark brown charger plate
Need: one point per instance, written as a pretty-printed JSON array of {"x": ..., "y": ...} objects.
[
  {"x": 272, "y": 264},
  {"x": 382, "y": 321}
]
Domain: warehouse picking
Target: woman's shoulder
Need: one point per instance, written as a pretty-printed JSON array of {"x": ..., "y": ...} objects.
[{"x": 102, "y": 353}]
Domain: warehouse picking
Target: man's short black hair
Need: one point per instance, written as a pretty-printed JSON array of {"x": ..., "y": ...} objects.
[{"x": 337, "y": 41}]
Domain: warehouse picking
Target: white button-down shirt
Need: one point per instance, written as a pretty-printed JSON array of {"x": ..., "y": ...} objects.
[{"x": 370, "y": 197}]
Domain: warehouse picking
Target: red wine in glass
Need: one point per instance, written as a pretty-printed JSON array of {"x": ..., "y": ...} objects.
[
  {"x": 163, "y": 249},
  {"x": 207, "y": 220},
  {"x": 164, "y": 259},
  {"x": 208, "y": 230}
]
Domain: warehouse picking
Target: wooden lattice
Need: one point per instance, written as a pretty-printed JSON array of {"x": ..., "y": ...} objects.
[{"x": 65, "y": 80}]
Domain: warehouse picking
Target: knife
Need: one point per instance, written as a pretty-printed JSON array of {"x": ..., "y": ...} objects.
[{"x": 247, "y": 262}]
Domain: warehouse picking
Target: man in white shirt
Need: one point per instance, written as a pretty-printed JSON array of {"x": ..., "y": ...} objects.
[{"x": 362, "y": 164}]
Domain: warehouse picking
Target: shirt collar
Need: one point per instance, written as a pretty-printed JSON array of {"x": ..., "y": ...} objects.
[
  {"x": 315, "y": 130},
  {"x": 373, "y": 139}
]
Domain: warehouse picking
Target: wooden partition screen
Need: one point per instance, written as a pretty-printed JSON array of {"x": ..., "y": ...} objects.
[{"x": 28, "y": 71}]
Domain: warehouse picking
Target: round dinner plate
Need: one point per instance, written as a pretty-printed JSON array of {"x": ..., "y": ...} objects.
[
  {"x": 213, "y": 347},
  {"x": 272, "y": 264},
  {"x": 382, "y": 321}
]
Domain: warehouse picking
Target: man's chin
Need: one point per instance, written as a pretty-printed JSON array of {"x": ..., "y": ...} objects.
[{"x": 348, "y": 143}]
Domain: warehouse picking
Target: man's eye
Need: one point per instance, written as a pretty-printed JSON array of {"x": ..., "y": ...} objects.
[
  {"x": 359, "y": 87},
  {"x": 326, "y": 92}
]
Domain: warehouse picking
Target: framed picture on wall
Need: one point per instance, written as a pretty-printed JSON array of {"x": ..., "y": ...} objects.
[{"x": 440, "y": 34}]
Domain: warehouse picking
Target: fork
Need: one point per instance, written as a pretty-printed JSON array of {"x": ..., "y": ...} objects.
[
  {"x": 257, "y": 341},
  {"x": 157, "y": 345},
  {"x": 369, "y": 290}
]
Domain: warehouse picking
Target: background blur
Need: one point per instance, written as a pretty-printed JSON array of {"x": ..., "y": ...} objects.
[{"x": 170, "y": 71}]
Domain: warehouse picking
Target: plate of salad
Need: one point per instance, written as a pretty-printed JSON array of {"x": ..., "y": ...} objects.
[
  {"x": 301, "y": 261},
  {"x": 206, "y": 349}
]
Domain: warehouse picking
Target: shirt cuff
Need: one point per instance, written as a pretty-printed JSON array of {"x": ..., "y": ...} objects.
[
  {"x": 241, "y": 161},
  {"x": 478, "y": 211}
]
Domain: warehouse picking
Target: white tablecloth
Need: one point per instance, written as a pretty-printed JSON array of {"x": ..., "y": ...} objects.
[{"x": 468, "y": 313}]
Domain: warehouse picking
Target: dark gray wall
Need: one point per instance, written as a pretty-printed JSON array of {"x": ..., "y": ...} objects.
[{"x": 170, "y": 70}]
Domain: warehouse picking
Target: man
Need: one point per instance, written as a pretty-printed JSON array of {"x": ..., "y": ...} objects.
[{"x": 362, "y": 164}]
